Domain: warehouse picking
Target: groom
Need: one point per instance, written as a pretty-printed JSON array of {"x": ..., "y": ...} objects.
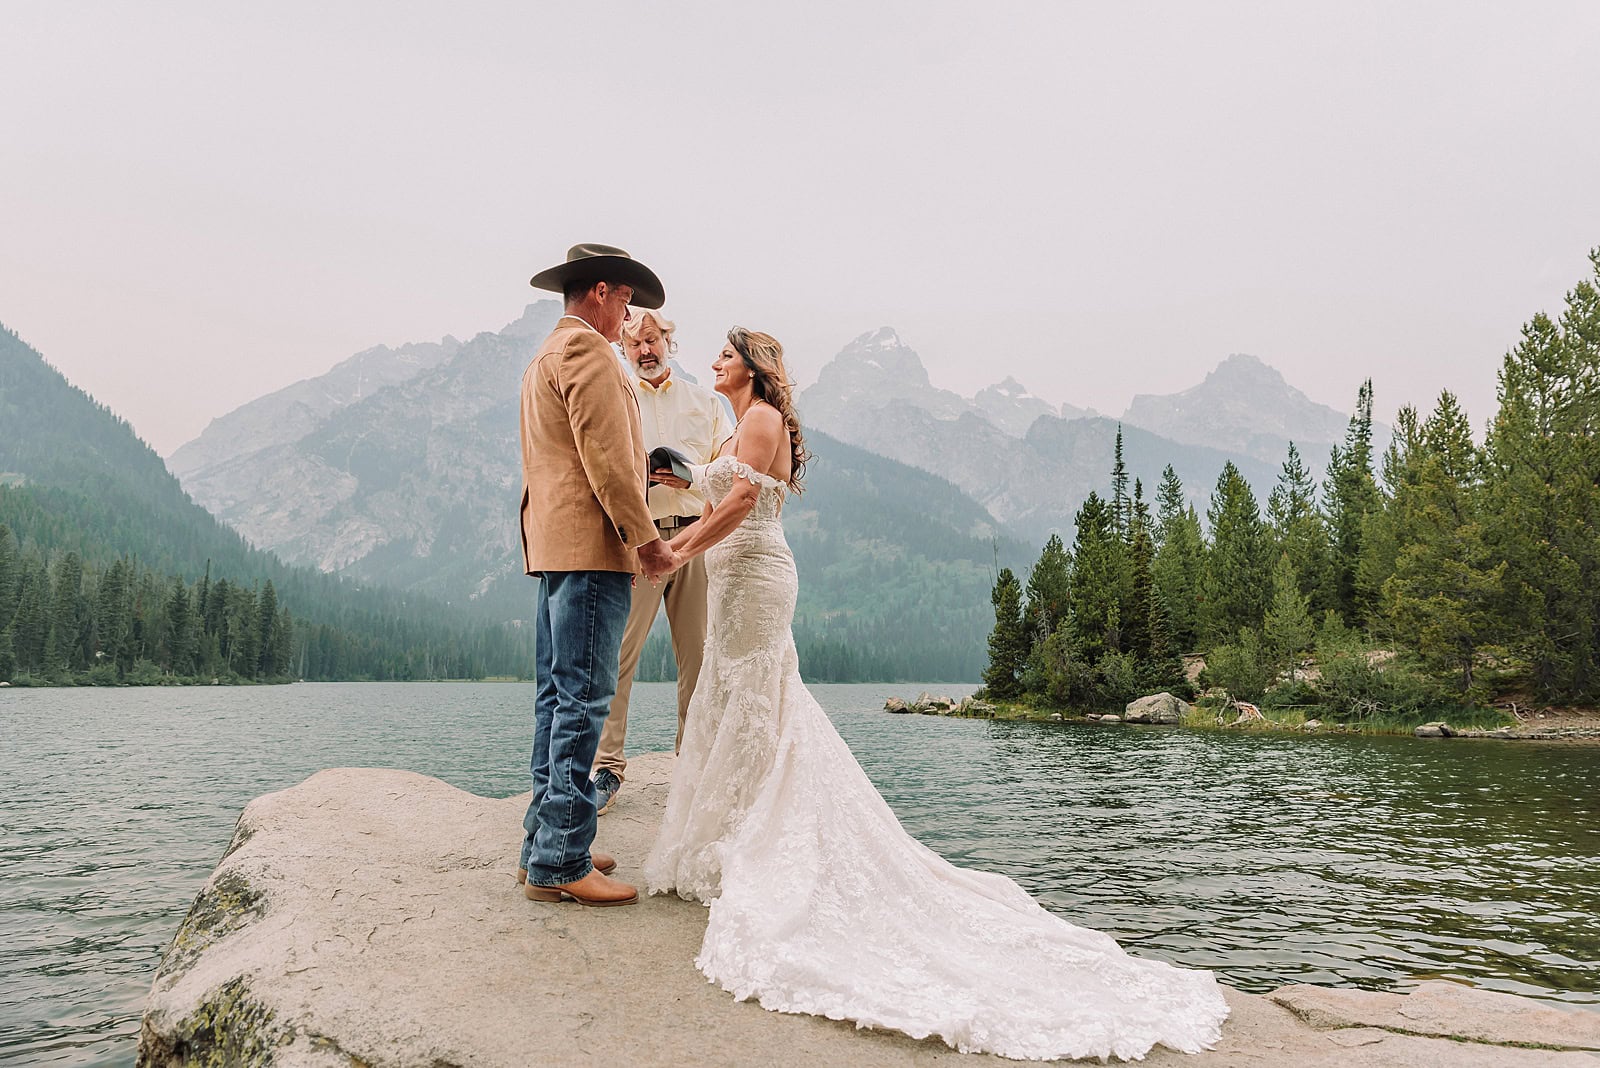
[{"x": 586, "y": 531}]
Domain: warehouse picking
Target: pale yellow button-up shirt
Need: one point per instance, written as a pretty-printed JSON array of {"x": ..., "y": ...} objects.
[{"x": 686, "y": 417}]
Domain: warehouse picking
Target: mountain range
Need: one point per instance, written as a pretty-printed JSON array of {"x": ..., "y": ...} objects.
[
  {"x": 1031, "y": 463},
  {"x": 400, "y": 466}
]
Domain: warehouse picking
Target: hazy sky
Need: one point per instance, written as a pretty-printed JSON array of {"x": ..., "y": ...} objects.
[{"x": 200, "y": 203}]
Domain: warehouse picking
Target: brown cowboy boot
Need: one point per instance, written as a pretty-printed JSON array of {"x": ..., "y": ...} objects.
[{"x": 594, "y": 889}]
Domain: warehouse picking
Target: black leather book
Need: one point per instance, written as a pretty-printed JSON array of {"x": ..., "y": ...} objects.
[{"x": 671, "y": 461}]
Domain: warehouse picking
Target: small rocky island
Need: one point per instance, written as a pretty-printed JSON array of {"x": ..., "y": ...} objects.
[{"x": 373, "y": 918}]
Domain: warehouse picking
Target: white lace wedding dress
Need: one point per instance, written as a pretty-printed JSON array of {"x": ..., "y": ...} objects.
[{"x": 821, "y": 902}]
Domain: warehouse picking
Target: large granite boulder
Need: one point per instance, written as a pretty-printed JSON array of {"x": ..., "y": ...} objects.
[
  {"x": 1157, "y": 708},
  {"x": 372, "y": 917}
]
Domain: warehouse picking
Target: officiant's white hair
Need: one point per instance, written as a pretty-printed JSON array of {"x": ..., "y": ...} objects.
[{"x": 635, "y": 324}]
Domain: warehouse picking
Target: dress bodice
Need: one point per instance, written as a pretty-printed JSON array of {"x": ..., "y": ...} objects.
[{"x": 718, "y": 478}]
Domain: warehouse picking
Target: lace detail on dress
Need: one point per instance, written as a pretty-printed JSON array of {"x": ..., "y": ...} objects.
[
  {"x": 821, "y": 902},
  {"x": 718, "y": 479}
]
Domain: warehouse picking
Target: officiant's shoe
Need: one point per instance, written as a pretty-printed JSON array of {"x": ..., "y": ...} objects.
[
  {"x": 604, "y": 863},
  {"x": 606, "y": 786},
  {"x": 594, "y": 889}
]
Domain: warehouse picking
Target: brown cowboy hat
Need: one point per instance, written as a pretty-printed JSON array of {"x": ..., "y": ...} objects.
[{"x": 604, "y": 263}]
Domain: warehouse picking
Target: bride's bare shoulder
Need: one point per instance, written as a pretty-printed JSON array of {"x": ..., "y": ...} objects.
[{"x": 765, "y": 416}]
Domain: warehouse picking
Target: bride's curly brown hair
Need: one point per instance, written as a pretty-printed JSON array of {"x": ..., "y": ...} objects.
[{"x": 763, "y": 357}]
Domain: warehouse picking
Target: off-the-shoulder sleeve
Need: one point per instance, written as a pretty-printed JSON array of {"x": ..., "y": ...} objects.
[{"x": 750, "y": 474}]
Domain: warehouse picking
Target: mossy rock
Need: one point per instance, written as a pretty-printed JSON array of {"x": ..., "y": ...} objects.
[
  {"x": 226, "y": 903},
  {"x": 230, "y": 1028}
]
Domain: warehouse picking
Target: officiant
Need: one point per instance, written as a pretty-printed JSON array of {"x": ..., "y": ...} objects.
[{"x": 692, "y": 421}]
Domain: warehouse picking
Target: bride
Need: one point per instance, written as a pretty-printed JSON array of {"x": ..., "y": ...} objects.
[{"x": 820, "y": 901}]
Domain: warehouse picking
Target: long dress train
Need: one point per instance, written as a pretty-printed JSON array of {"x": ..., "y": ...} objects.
[{"x": 822, "y": 903}]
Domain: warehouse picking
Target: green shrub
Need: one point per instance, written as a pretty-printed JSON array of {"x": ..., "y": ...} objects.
[
  {"x": 1291, "y": 693},
  {"x": 1058, "y": 673},
  {"x": 1117, "y": 679},
  {"x": 103, "y": 675},
  {"x": 145, "y": 673},
  {"x": 1243, "y": 668},
  {"x": 1365, "y": 683}
]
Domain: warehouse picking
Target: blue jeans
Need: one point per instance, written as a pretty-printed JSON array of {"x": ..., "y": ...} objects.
[{"x": 578, "y": 626}]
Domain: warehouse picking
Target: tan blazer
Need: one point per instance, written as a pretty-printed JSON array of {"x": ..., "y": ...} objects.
[{"x": 583, "y": 462}]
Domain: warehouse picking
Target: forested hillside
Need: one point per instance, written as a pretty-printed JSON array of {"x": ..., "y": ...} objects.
[{"x": 75, "y": 481}]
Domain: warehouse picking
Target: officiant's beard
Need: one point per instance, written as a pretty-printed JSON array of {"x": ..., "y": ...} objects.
[{"x": 654, "y": 373}]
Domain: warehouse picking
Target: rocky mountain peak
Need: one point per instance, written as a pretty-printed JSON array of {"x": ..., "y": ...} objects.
[
  {"x": 1011, "y": 389},
  {"x": 1242, "y": 368},
  {"x": 1009, "y": 406},
  {"x": 872, "y": 370},
  {"x": 1243, "y": 404},
  {"x": 535, "y": 320},
  {"x": 875, "y": 359}
]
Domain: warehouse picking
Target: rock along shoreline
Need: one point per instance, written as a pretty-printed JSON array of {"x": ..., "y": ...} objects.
[{"x": 372, "y": 918}]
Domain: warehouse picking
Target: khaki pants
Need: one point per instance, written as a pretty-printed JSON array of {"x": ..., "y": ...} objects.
[{"x": 684, "y": 592}]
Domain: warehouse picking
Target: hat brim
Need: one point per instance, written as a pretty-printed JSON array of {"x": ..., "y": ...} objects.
[{"x": 647, "y": 289}]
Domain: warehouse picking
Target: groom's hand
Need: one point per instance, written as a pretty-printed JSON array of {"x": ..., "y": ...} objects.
[{"x": 657, "y": 559}]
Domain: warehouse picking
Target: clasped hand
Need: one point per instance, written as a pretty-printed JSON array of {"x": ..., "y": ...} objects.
[{"x": 658, "y": 559}]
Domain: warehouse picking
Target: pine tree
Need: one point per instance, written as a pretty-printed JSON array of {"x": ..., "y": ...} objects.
[
  {"x": 8, "y": 656},
  {"x": 1008, "y": 642},
  {"x": 202, "y": 597},
  {"x": 1288, "y": 631},
  {"x": 31, "y": 625},
  {"x": 68, "y": 618},
  {"x": 283, "y": 653},
  {"x": 1381, "y": 533},
  {"x": 1179, "y": 570},
  {"x": 267, "y": 647},
  {"x": 1170, "y": 504},
  {"x": 240, "y": 629},
  {"x": 1137, "y": 627},
  {"x": 1350, "y": 495},
  {"x": 113, "y": 627},
  {"x": 149, "y": 616},
  {"x": 1049, "y": 590},
  {"x": 214, "y": 611},
  {"x": 1540, "y": 488},
  {"x": 10, "y": 576},
  {"x": 1119, "y": 491},
  {"x": 181, "y": 640},
  {"x": 1099, "y": 586},
  {"x": 1444, "y": 585},
  {"x": 1297, "y": 529},
  {"x": 1237, "y": 572},
  {"x": 1533, "y": 499},
  {"x": 1163, "y": 668},
  {"x": 55, "y": 659}
]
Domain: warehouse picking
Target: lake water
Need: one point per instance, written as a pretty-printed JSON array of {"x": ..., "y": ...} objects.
[{"x": 1369, "y": 862}]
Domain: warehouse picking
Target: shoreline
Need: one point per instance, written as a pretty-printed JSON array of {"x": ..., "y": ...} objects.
[{"x": 1569, "y": 730}]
